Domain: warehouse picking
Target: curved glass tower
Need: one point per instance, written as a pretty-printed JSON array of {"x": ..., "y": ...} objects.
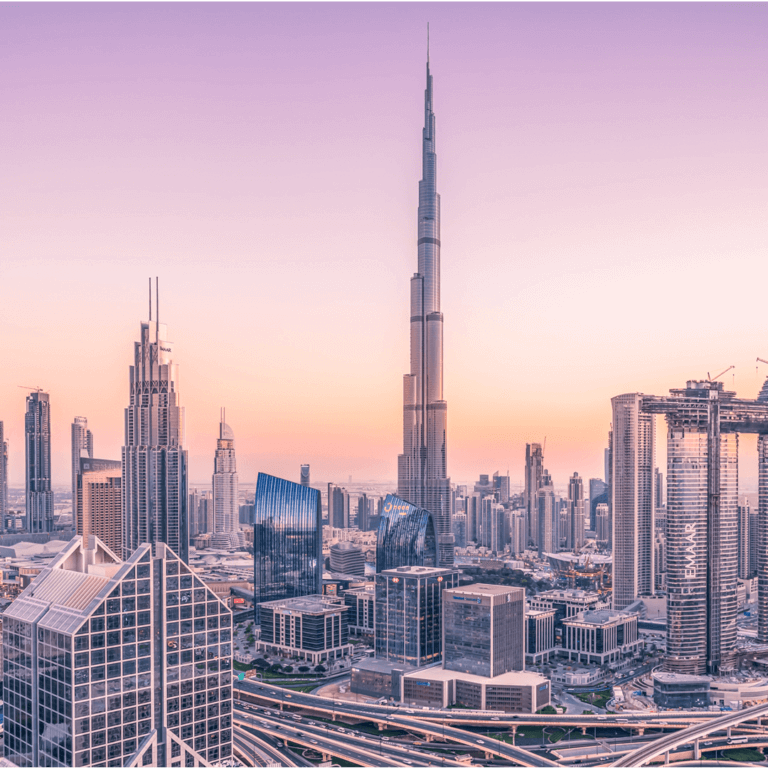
[
  {"x": 407, "y": 536},
  {"x": 422, "y": 466},
  {"x": 287, "y": 540}
]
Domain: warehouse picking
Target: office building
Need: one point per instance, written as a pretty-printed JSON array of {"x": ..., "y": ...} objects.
[
  {"x": 408, "y": 626},
  {"x": 484, "y": 629},
  {"x": 131, "y": 663},
  {"x": 492, "y": 528},
  {"x": 501, "y": 486},
  {"x": 226, "y": 498},
  {"x": 754, "y": 541},
  {"x": 287, "y": 540},
  {"x": 407, "y": 536},
  {"x": 422, "y": 467},
  {"x": 363, "y": 512},
  {"x": 82, "y": 447},
  {"x": 312, "y": 628},
  {"x": 3, "y": 478},
  {"x": 37, "y": 445},
  {"x": 539, "y": 636},
  {"x": 548, "y": 518},
  {"x": 598, "y": 494},
  {"x": 517, "y": 538},
  {"x": 304, "y": 475},
  {"x": 338, "y": 507},
  {"x": 600, "y": 637},
  {"x": 633, "y": 505},
  {"x": 347, "y": 558},
  {"x": 566, "y": 603},
  {"x": 603, "y": 523},
  {"x": 361, "y": 614},
  {"x": 473, "y": 517},
  {"x": 534, "y": 471},
  {"x": 460, "y": 529},
  {"x": 155, "y": 493},
  {"x": 575, "y": 528},
  {"x": 98, "y": 502}
]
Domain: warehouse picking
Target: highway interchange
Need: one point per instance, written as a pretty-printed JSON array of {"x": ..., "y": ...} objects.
[{"x": 269, "y": 718}]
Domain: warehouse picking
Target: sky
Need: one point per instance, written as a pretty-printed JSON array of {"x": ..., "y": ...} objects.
[{"x": 603, "y": 172}]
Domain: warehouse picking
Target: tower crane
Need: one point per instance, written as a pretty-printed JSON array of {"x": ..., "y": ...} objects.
[
  {"x": 709, "y": 378},
  {"x": 759, "y": 360},
  {"x": 34, "y": 389}
]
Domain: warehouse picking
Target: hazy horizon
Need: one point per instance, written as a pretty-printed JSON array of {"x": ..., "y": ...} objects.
[{"x": 602, "y": 169}]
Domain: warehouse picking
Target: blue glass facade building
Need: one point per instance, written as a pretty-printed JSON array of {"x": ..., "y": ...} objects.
[
  {"x": 287, "y": 540},
  {"x": 407, "y": 536}
]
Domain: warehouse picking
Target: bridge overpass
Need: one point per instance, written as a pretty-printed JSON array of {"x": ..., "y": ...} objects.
[{"x": 664, "y": 744}]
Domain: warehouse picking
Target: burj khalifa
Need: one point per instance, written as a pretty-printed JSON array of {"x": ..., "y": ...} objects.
[{"x": 422, "y": 467}]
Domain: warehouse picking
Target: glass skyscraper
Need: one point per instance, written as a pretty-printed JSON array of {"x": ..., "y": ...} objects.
[
  {"x": 112, "y": 663},
  {"x": 409, "y": 610},
  {"x": 422, "y": 466},
  {"x": 406, "y": 536},
  {"x": 37, "y": 441},
  {"x": 226, "y": 510},
  {"x": 287, "y": 540}
]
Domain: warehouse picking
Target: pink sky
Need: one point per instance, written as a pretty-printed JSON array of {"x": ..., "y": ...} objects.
[{"x": 603, "y": 176}]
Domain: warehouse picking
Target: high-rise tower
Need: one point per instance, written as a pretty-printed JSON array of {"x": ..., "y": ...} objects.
[
  {"x": 155, "y": 492},
  {"x": 422, "y": 467},
  {"x": 631, "y": 486},
  {"x": 3, "y": 478},
  {"x": 37, "y": 439},
  {"x": 226, "y": 533},
  {"x": 82, "y": 447}
]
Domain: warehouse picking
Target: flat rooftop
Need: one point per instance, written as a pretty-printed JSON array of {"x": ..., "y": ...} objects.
[
  {"x": 604, "y": 616},
  {"x": 307, "y": 604},
  {"x": 484, "y": 589},
  {"x": 417, "y": 570},
  {"x": 508, "y": 678}
]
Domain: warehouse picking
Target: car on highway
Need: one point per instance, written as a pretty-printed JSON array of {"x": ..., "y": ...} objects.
[
  {"x": 312, "y": 741},
  {"x": 479, "y": 741},
  {"x": 494, "y": 718}
]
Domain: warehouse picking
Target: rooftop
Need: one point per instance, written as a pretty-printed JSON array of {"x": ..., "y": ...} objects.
[
  {"x": 418, "y": 570},
  {"x": 485, "y": 589},
  {"x": 508, "y": 678},
  {"x": 604, "y": 616},
  {"x": 307, "y": 604}
]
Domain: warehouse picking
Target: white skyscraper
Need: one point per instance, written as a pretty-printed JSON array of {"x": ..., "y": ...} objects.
[
  {"x": 155, "y": 492},
  {"x": 226, "y": 534},
  {"x": 634, "y": 437},
  {"x": 422, "y": 466}
]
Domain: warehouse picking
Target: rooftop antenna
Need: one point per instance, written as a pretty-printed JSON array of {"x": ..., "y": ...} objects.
[
  {"x": 150, "y": 299},
  {"x": 157, "y": 317},
  {"x": 427, "y": 43}
]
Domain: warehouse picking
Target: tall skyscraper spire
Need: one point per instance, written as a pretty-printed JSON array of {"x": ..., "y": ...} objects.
[
  {"x": 154, "y": 460},
  {"x": 422, "y": 467}
]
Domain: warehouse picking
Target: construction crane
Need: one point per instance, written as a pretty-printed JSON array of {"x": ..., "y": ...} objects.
[
  {"x": 34, "y": 389},
  {"x": 709, "y": 378},
  {"x": 760, "y": 360}
]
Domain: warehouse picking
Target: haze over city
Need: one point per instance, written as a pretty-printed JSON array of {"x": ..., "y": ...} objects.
[{"x": 603, "y": 177}]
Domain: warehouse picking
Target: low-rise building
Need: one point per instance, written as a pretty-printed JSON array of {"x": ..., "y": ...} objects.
[
  {"x": 600, "y": 637},
  {"x": 509, "y": 692},
  {"x": 313, "y": 628},
  {"x": 567, "y": 603},
  {"x": 672, "y": 690}
]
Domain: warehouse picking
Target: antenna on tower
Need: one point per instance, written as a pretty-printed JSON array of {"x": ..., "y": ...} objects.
[
  {"x": 427, "y": 43},
  {"x": 150, "y": 299},
  {"x": 157, "y": 316}
]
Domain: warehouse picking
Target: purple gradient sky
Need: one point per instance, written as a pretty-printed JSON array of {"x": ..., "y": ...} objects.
[{"x": 603, "y": 174}]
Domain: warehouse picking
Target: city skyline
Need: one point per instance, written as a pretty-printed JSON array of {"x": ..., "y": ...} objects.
[{"x": 566, "y": 135}]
